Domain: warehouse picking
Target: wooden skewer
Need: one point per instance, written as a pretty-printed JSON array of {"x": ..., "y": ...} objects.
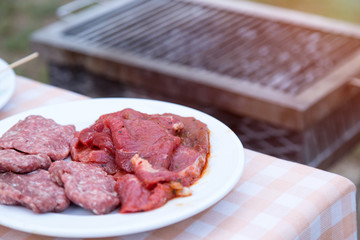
[
  {"x": 355, "y": 82},
  {"x": 20, "y": 62}
]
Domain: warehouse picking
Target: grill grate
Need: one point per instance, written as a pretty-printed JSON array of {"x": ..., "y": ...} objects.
[
  {"x": 279, "y": 80},
  {"x": 271, "y": 53}
]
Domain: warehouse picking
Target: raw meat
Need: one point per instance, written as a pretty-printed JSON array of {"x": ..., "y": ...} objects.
[
  {"x": 189, "y": 159},
  {"x": 136, "y": 198},
  {"x": 94, "y": 145},
  {"x": 86, "y": 185},
  {"x": 92, "y": 154},
  {"x": 138, "y": 133},
  {"x": 11, "y": 160},
  {"x": 188, "y": 164},
  {"x": 36, "y": 134},
  {"x": 159, "y": 155},
  {"x": 117, "y": 137},
  {"x": 34, "y": 190}
]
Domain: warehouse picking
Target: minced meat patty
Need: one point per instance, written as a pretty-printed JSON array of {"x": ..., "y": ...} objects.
[
  {"x": 34, "y": 190},
  {"x": 86, "y": 185},
  {"x": 36, "y": 134},
  {"x": 11, "y": 160}
]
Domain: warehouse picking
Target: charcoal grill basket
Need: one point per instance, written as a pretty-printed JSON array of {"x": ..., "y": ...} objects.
[{"x": 276, "y": 76}]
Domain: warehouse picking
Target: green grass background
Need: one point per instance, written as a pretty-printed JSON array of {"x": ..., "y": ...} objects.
[{"x": 18, "y": 19}]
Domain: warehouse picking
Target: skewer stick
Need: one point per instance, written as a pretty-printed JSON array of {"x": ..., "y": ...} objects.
[
  {"x": 355, "y": 82},
  {"x": 20, "y": 61}
]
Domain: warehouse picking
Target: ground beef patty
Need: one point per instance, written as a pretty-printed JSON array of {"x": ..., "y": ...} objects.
[
  {"x": 86, "y": 185},
  {"x": 14, "y": 161},
  {"x": 35, "y": 191},
  {"x": 36, "y": 134}
]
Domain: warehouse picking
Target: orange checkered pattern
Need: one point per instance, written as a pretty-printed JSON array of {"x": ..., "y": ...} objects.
[{"x": 275, "y": 199}]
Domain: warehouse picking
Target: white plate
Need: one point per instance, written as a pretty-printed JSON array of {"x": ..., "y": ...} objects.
[
  {"x": 7, "y": 83},
  {"x": 223, "y": 171}
]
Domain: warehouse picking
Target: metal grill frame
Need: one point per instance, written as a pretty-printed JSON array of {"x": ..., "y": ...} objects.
[
  {"x": 240, "y": 97},
  {"x": 281, "y": 56},
  {"x": 303, "y": 119}
]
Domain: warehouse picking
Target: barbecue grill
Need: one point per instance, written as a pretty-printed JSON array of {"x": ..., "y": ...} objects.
[{"x": 282, "y": 80}]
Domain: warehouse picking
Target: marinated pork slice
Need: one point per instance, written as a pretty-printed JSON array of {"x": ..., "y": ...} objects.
[
  {"x": 34, "y": 190},
  {"x": 194, "y": 134},
  {"x": 87, "y": 151},
  {"x": 150, "y": 176},
  {"x": 116, "y": 137},
  {"x": 186, "y": 174},
  {"x": 36, "y": 134},
  {"x": 136, "y": 133},
  {"x": 167, "y": 121},
  {"x": 189, "y": 159},
  {"x": 86, "y": 185},
  {"x": 136, "y": 198},
  {"x": 11, "y": 160},
  {"x": 188, "y": 165},
  {"x": 97, "y": 136},
  {"x": 159, "y": 155}
]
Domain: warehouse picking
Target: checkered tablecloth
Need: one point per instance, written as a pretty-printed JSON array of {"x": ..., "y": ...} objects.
[{"x": 275, "y": 199}]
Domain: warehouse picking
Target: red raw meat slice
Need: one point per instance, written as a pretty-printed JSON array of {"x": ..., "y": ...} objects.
[
  {"x": 189, "y": 159},
  {"x": 140, "y": 134},
  {"x": 188, "y": 164},
  {"x": 34, "y": 190},
  {"x": 136, "y": 198},
  {"x": 191, "y": 165},
  {"x": 36, "y": 134},
  {"x": 168, "y": 122},
  {"x": 149, "y": 175},
  {"x": 160, "y": 153},
  {"x": 86, "y": 185},
  {"x": 194, "y": 134},
  {"x": 97, "y": 136},
  {"x": 92, "y": 154},
  {"x": 11, "y": 160}
]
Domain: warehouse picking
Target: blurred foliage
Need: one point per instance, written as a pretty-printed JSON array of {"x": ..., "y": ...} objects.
[
  {"x": 348, "y": 10},
  {"x": 18, "y": 19}
]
